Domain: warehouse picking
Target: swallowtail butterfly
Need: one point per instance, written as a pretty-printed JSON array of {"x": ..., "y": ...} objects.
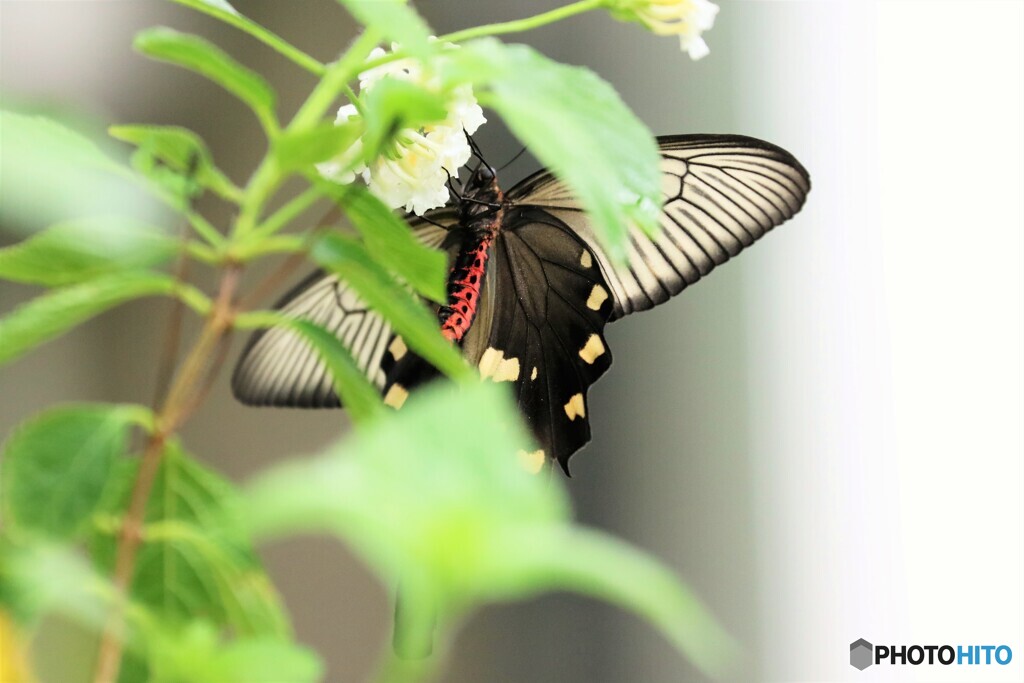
[{"x": 530, "y": 289}]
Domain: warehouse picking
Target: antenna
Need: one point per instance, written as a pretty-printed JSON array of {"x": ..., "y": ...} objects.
[{"x": 509, "y": 162}]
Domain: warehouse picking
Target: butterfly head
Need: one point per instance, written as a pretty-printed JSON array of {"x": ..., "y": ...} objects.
[{"x": 481, "y": 196}]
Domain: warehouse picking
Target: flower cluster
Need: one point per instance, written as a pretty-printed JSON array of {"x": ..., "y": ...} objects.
[
  {"x": 687, "y": 19},
  {"x": 414, "y": 172}
]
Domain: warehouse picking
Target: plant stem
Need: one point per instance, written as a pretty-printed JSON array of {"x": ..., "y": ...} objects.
[
  {"x": 262, "y": 184},
  {"x": 177, "y": 407},
  {"x": 335, "y": 81},
  {"x": 527, "y": 24},
  {"x": 514, "y": 26},
  {"x": 205, "y": 229},
  {"x": 287, "y": 213},
  {"x": 265, "y": 36}
]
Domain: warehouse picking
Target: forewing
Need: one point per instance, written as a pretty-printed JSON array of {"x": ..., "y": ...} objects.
[
  {"x": 540, "y": 328},
  {"x": 721, "y": 194},
  {"x": 279, "y": 369}
]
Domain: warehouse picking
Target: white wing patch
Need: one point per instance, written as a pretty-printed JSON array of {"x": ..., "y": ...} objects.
[{"x": 721, "y": 194}]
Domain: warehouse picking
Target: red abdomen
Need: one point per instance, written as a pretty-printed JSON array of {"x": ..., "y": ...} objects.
[{"x": 464, "y": 282}]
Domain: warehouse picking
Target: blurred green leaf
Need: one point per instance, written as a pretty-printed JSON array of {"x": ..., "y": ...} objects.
[
  {"x": 300, "y": 149},
  {"x": 180, "y": 150},
  {"x": 80, "y": 250},
  {"x": 415, "y": 493},
  {"x": 262, "y": 660},
  {"x": 529, "y": 562},
  {"x": 57, "y": 464},
  {"x": 202, "y": 57},
  {"x": 59, "y": 310},
  {"x": 408, "y": 317},
  {"x": 197, "y": 653},
  {"x": 195, "y": 560},
  {"x": 453, "y": 519},
  {"x": 50, "y": 173},
  {"x": 39, "y": 578},
  {"x": 391, "y": 243},
  {"x": 395, "y": 20},
  {"x": 577, "y": 125},
  {"x": 394, "y": 105}
]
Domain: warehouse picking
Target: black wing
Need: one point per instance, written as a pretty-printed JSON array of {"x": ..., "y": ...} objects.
[
  {"x": 544, "y": 306},
  {"x": 279, "y": 369},
  {"x": 721, "y": 193}
]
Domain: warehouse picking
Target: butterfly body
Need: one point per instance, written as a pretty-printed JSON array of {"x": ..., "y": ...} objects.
[{"x": 531, "y": 288}]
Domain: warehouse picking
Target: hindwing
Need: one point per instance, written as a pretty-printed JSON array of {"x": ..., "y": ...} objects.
[
  {"x": 278, "y": 368},
  {"x": 540, "y": 328}
]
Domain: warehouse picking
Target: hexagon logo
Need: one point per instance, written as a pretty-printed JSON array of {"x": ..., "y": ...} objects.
[{"x": 861, "y": 654}]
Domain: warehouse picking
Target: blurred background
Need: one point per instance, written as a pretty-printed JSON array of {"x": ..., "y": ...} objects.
[{"x": 823, "y": 439}]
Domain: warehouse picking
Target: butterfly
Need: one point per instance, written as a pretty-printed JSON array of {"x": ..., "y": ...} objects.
[{"x": 531, "y": 289}]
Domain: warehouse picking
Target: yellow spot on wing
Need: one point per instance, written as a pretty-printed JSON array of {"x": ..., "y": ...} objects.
[
  {"x": 396, "y": 396},
  {"x": 575, "y": 407},
  {"x": 585, "y": 260},
  {"x": 397, "y": 348},
  {"x": 593, "y": 349},
  {"x": 494, "y": 365},
  {"x": 597, "y": 296},
  {"x": 489, "y": 362},
  {"x": 533, "y": 375},
  {"x": 532, "y": 462},
  {"x": 508, "y": 370}
]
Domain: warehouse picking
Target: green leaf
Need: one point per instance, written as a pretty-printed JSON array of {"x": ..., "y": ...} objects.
[
  {"x": 76, "y": 251},
  {"x": 391, "y": 243},
  {"x": 409, "y": 317},
  {"x": 301, "y": 149},
  {"x": 180, "y": 150},
  {"x": 394, "y": 105},
  {"x": 395, "y": 20},
  {"x": 195, "y": 560},
  {"x": 50, "y": 173},
  {"x": 56, "y": 312},
  {"x": 202, "y": 57},
  {"x": 576, "y": 124},
  {"x": 57, "y": 464}
]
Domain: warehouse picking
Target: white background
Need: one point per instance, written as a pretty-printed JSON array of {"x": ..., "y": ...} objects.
[{"x": 890, "y": 497}]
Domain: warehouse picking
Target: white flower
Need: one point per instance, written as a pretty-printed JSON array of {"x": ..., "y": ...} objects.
[
  {"x": 413, "y": 174},
  {"x": 341, "y": 169},
  {"x": 687, "y": 19}
]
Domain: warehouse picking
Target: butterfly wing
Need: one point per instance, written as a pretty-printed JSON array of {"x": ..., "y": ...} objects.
[
  {"x": 721, "y": 193},
  {"x": 279, "y": 369},
  {"x": 544, "y": 306}
]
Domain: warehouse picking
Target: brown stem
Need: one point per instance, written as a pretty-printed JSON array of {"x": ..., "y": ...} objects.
[
  {"x": 176, "y": 409},
  {"x": 172, "y": 332}
]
